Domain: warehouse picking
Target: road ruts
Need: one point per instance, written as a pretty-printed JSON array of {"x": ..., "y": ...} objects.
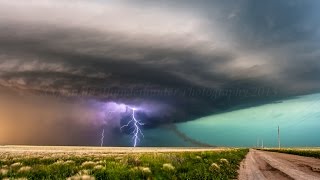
[{"x": 262, "y": 165}]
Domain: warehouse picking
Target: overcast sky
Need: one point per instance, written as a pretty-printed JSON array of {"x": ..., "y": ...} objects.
[{"x": 186, "y": 46}]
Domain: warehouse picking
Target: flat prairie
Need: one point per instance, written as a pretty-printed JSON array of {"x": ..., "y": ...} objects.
[{"x": 65, "y": 162}]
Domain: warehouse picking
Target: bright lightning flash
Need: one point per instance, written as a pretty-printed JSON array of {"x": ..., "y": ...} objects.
[
  {"x": 136, "y": 127},
  {"x": 102, "y": 137}
]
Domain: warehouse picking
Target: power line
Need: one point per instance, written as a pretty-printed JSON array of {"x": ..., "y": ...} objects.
[{"x": 279, "y": 145}]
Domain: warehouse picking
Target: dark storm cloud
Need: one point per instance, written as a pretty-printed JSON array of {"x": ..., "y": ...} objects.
[
  {"x": 63, "y": 51},
  {"x": 205, "y": 51},
  {"x": 275, "y": 23}
]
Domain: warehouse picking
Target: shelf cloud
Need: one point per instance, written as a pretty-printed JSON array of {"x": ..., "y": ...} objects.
[{"x": 186, "y": 59}]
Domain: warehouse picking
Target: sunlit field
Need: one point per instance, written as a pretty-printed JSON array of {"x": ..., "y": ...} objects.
[{"x": 118, "y": 163}]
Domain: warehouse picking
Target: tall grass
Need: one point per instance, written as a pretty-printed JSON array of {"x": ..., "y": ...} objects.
[{"x": 179, "y": 165}]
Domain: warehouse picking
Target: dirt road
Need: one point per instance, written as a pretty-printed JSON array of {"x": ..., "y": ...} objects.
[{"x": 261, "y": 165}]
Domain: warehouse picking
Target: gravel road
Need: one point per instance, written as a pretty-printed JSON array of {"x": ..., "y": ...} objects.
[{"x": 261, "y": 165}]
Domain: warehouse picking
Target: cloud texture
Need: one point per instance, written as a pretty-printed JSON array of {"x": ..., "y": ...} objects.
[{"x": 268, "y": 50}]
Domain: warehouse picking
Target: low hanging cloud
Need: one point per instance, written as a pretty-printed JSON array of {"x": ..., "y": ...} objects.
[{"x": 202, "y": 57}]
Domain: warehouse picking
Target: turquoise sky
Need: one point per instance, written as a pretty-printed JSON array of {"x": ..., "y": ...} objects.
[{"x": 298, "y": 118}]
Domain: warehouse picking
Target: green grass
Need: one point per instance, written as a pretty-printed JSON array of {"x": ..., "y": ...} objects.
[
  {"x": 183, "y": 165},
  {"x": 301, "y": 152}
]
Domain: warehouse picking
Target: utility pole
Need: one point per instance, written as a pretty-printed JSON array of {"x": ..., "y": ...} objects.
[
  {"x": 279, "y": 145},
  {"x": 262, "y": 144},
  {"x": 257, "y": 142}
]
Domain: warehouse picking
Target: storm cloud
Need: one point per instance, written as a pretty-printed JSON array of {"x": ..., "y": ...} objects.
[{"x": 185, "y": 59}]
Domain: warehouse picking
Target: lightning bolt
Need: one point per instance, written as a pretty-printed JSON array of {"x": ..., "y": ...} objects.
[
  {"x": 136, "y": 127},
  {"x": 102, "y": 137},
  {"x": 102, "y": 134}
]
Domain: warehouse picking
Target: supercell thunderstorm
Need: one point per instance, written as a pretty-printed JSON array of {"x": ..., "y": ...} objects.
[{"x": 72, "y": 68}]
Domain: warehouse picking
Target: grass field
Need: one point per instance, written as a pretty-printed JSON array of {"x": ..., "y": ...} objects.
[
  {"x": 123, "y": 163},
  {"x": 308, "y": 152}
]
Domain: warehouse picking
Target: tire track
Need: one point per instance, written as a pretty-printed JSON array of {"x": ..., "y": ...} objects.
[{"x": 261, "y": 165}]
